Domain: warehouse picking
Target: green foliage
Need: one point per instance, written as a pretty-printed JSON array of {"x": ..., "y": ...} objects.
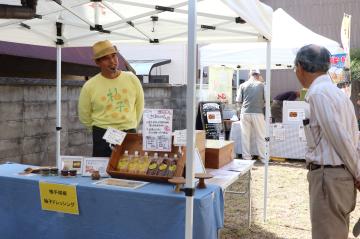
[
  {"x": 355, "y": 54},
  {"x": 355, "y": 69},
  {"x": 355, "y": 64}
]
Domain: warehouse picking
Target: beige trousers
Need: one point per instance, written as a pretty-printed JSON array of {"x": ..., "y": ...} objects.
[
  {"x": 252, "y": 123},
  {"x": 332, "y": 198}
]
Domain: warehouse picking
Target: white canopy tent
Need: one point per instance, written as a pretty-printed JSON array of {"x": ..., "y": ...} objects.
[
  {"x": 288, "y": 35},
  {"x": 83, "y": 22}
]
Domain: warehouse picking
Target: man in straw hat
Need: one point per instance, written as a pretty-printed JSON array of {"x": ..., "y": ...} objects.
[{"x": 112, "y": 98}]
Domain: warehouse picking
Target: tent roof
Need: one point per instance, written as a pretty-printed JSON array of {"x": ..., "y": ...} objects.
[
  {"x": 287, "y": 37},
  {"x": 130, "y": 21}
]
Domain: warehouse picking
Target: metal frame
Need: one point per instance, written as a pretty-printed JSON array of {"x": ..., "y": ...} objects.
[
  {"x": 247, "y": 191},
  {"x": 191, "y": 74},
  {"x": 190, "y": 117}
]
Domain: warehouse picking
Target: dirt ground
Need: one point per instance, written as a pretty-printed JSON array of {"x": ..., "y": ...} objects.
[{"x": 287, "y": 209}]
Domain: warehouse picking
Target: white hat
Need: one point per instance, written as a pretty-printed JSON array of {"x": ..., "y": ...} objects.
[{"x": 254, "y": 71}]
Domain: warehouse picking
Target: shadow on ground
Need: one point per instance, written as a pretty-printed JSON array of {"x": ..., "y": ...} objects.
[
  {"x": 255, "y": 231},
  {"x": 288, "y": 163}
]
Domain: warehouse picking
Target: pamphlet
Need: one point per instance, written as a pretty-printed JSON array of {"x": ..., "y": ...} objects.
[{"x": 121, "y": 183}]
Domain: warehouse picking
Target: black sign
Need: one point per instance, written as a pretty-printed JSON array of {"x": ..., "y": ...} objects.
[{"x": 210, "y": 119}]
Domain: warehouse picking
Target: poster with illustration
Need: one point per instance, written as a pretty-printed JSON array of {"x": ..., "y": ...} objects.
[
  {"x": 220, "y": 84},
  {"x": 340, "y": 75}
]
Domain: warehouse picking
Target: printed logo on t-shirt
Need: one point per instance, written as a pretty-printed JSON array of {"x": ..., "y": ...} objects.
[{"x": 116, "y": 103}]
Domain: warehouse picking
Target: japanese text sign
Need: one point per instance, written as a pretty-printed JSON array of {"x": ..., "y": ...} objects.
[
  {"x": 59, "y": 198},
  {"x": 157, "y": 129}
]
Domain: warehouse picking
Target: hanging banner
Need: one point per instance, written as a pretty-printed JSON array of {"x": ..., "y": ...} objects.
[
  {"x": 345, "y": 37},
  {"x": 336, "y": 70},
  {"x": 339, "y": 73},
  {"x": 220, "y": 84}
]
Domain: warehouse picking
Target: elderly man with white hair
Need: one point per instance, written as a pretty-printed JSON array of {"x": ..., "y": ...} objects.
[
  {"x": 251, "y": 97},
  {"x": 332, "y": 137}
]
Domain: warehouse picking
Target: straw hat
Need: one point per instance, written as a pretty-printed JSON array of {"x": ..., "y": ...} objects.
[{"x": 103, "y": 48}]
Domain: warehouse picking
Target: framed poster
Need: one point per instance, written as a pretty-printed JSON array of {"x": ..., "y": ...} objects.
[
  {"x": 72, "y": 162},
  {"x": 95, "y": 163}
]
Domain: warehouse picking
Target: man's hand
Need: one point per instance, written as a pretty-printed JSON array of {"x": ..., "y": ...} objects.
[{"x": 357, "y": 185}]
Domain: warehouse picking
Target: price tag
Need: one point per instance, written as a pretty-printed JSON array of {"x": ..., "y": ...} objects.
[
  {"x": 59, "y": 198},
  {"x": 114, "y": 136},
  {"x": 180, "y": 137}
]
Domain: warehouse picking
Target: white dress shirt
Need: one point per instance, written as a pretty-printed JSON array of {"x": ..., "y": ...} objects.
[{"x": 333, "y": 126}]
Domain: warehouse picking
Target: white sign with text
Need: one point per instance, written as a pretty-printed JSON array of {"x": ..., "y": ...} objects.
[
  {"x": 180, "y": 137},
  {"x": 157, "y": 129},
  {"x": 114, "y": 136}
]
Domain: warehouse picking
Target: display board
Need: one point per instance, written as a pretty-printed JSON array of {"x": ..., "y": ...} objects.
[
  {"x": 210, "y": 119},
  {"x": 157, "y": 129}
]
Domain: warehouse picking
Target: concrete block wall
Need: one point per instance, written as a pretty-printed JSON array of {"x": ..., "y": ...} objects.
[{"x": 28, "y": 118}]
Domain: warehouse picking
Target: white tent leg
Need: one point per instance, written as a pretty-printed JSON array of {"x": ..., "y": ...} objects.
[
  {"x": 58, "y": 104},
  {"x": 190, "y": 119},
  {"x": 237, "y": 79},
  {"x": 201, "y": 85},
  {"x": 267, "y": 123}
]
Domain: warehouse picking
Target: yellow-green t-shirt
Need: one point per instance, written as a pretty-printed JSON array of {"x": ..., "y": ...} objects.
[{"x": 117, "y": 103}]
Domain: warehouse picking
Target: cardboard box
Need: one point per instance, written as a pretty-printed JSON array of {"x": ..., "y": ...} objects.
[{"x": 218, "y": 153}]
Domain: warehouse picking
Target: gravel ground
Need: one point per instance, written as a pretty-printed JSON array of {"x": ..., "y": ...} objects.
[{"x": 288, "y": 204}]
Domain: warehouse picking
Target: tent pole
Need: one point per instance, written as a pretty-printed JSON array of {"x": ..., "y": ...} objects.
[
  {"x": 58, "y": 104},
  {"x": 201, "y": 85},
  {"x": 237, "y": 78},
  {"x": 190, "y": 119},
  {"x": 267, "y": 123}
]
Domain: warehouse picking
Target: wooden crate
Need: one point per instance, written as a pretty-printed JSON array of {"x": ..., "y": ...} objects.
[
  {"x": 132, "y": 143},
  {"x": 200, "y": 143},
  {"x": 218, "y": 153}
]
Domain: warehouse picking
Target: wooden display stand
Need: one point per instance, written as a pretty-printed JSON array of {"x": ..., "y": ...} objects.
[
  {"x": 132, "y": 143},
  {"x": 218, "y": 153}
]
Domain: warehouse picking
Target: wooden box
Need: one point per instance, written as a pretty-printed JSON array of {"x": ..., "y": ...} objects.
[
  {"x": 200, "y": 143},
  {"x": 132, "y": 143},
  {"x": 218, "y": 153}
]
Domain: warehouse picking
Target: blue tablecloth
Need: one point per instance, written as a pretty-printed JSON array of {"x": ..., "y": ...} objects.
[{"x": 152, "y": 211}]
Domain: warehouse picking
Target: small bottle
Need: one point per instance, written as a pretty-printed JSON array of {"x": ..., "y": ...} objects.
[
  {"x": 162, "y": 171},
  {"x": 153, "y": 166},
  {"x": 172, "y": 166},
  {"x": 144, "y": 163},
  {"x": 123, "y": 163},
  {"x": 134, "y": 163}
]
